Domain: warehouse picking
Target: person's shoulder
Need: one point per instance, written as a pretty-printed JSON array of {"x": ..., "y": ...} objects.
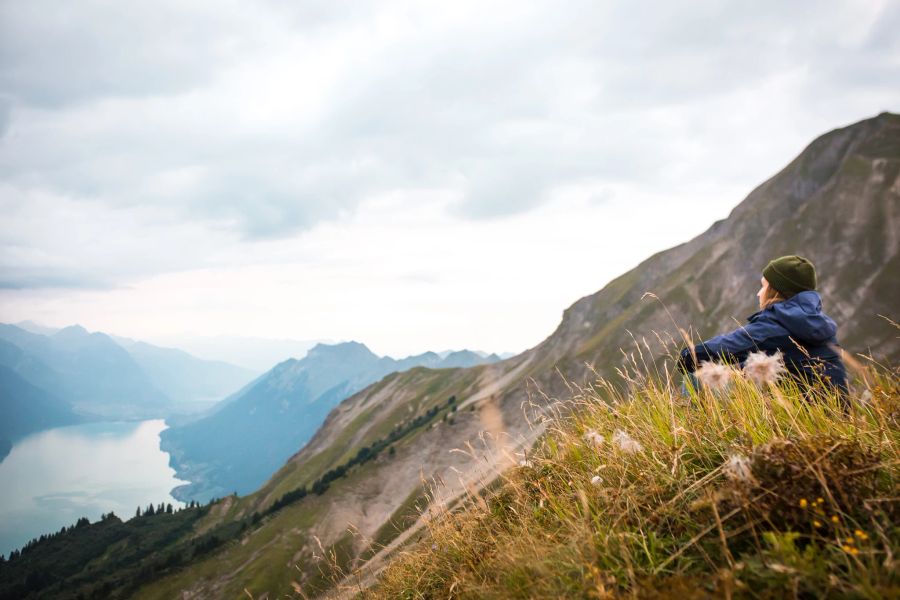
[
  {"x": 765, "y": 323},
  {"x": 766, "y": 315}
]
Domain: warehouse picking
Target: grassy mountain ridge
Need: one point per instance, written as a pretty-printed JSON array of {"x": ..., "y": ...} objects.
[
  {"x": 836, "y": 203},
  {"x": 242, "y": 443}
]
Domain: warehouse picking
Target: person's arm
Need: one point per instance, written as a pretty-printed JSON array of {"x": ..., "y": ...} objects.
[{"x": 733, "y": 347}]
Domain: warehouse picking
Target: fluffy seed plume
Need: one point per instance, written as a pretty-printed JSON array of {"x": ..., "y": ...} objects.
[
  {"x": 626, "y": 443},
  {"x": 593, "y": 438},
  {"x": 525, "y": 464},
  {"x": 762, "y": 368},
  {"x": 737, "y": 469},
  {"x": 866, "y": 398},
  {"x": 714, "y": 376},
  {"x": 596, "y": 480}
]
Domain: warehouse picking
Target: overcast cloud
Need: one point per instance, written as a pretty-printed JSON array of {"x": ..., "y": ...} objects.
[{"x": 357, "y": 164}]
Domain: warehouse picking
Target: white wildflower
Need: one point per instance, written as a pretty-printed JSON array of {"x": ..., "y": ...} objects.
[
  {"x": 626, "y": 443},
  {"x": 596, "y": 480},
  {"x": 737, "y": 469},
  {"x": 762, "y": 368},
  {"x": 593, "y": 438},
  {"x": 525, "y": 463},
  {"x": 713, "y": 375}
]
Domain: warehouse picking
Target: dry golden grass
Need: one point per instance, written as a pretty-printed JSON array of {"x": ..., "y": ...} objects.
[{"x": 761, "y": 491}]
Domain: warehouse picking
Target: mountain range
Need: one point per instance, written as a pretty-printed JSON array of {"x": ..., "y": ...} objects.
[
  {"x": 98, "y": 377},
  {"x": 249, "y": 435}
]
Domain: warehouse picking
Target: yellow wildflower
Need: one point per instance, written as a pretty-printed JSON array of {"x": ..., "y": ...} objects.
[
  {"x": 861, "y": 534},
  {"x": 803, "y": 502}
]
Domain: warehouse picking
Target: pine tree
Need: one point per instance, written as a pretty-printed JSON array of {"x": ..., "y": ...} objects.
[{"x": 137, "y": 513}]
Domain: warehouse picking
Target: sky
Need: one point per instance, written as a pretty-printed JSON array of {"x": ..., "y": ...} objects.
[{"x": 413, "y": 175}]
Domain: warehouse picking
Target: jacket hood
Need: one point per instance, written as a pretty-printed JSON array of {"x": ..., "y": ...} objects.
[{"x": 802, "y": 316}]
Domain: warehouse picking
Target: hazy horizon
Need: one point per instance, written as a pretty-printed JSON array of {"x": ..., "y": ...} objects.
[
  {"x": 411, "y": 177},
  {"x": 242, "y": 351}
]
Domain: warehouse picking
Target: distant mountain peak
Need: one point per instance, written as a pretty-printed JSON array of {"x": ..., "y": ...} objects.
[
  {"x": 74, "y": 329},
  {"x": 72, "y": 332},
  {"x": 350, "y": 348},
  {"x": 33, "y": 327}
]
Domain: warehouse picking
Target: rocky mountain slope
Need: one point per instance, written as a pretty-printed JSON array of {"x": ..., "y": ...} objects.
[
  {"x": 340, "y": 508},
  {"x": 245, "y": 439}
]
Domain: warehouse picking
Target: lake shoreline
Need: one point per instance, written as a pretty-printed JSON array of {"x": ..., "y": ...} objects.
[{"x": 52, "y": 478}]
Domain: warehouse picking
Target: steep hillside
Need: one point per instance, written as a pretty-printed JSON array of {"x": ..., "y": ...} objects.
[
  {"x": 346, "y": 501},
  {"x": 748, "y": 492},
  {"x": 25, "y": 408},
  {"x": 241, "y": 443}
]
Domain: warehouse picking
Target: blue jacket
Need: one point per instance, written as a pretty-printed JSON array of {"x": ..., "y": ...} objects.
[{"x": 797, "y": 326}]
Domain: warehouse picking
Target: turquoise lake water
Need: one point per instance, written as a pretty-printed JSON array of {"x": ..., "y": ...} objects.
[{"x": 52, "y": 478}]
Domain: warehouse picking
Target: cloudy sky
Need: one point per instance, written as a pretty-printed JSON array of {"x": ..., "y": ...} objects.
[{"x": 413, "y": 175}]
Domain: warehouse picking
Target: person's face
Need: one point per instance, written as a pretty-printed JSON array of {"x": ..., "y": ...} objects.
[{"x": 763, "y": 292}]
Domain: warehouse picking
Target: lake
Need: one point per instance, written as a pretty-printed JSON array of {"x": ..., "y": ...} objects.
[{"x": 52, "y": 478}]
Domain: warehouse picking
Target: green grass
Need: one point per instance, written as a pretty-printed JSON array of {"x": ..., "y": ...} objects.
[
  {"x": 434, "y": 387},
  {"x": 257, "y": 559},
  {"x": 403, "y": 518},
  {"x": 742, "y": 493}
]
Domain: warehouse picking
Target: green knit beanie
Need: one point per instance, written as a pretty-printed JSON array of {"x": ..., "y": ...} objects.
[{"x": 791, "y": 274}]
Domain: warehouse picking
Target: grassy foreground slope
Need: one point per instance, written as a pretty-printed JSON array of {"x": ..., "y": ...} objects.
[{"x": 751, "y": 492}]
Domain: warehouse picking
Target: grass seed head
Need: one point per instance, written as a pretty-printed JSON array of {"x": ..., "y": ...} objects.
[
  {"x": 593, "y": 438},
  {"x": 714, "y": 376},
  {"x": 762, "y": 368},
  {"x": 737, "y": 469},
  {"x": 626, "y": 443}
]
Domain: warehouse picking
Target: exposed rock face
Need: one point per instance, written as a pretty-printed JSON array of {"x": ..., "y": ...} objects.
[{"x": 837, "y": 203}]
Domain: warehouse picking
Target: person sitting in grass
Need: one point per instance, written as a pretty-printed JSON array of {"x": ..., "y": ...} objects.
[{"x": 790, "y": 321}]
